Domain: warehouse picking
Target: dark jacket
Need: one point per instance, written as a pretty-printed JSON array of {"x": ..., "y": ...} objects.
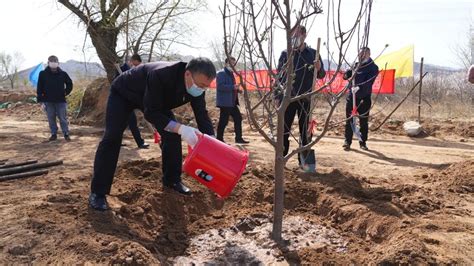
[
  {"x": 226, "y": 95},
  {"x": 364, "y": 78},
  {"x": 303, "y": 62},
  {"x": 123, "y": 68},
  {"x": 157, "y": 88},
  {"x": 53, "y": 86}
]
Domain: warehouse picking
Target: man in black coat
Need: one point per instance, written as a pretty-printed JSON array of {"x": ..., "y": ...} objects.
[
  {"x": 364, "y": 78},
  {"x": 156, "y": 89},
  {"x": 304, "y": 64},
  {"x": 54, "y": 85}
]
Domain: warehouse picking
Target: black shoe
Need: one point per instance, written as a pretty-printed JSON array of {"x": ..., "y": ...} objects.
[
  {"x": 144, "y": 146},
  {"x": 98, "y": 202},
  {"x": 241, "y": 141},
  {"x": 53, "y": 137},
  {"x": 346, "y": 146},
  {"x": 179, "y": 187},
  {"x": 67, "y": 138},
  {"x": 363, "y": 146}
]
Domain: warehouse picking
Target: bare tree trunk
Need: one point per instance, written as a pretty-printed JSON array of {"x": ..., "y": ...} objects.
[
  {"x": 105, "y": 42},
  {"x": 278, "y": 197}
]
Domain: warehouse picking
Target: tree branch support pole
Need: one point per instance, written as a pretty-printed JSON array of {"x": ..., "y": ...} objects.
[
  {"x": 399, "y": 104},
  {"x": 419, "y": 91}
]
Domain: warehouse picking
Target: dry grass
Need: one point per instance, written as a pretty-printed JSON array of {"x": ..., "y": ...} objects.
[{"x": 75, "y": 98}]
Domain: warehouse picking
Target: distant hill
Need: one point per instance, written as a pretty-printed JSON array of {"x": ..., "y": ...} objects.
[
  {"x": 432, "y": 69},
  {"x": 76, "y": 70},
  {"x": 80, "y": 70}
]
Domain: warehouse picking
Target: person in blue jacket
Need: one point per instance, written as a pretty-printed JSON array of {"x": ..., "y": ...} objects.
[
  {"x": 363, "y": 80},
  {"x": 54, "y": 85},
  {"x": 227, "y": 99}
]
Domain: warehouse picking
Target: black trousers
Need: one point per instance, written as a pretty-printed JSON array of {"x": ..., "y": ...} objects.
[
  {"x": 224, "y": 119},
  {"x": 116, "y": 121},
  {"x": 363, "y": 110},
  {"x": 133, "y": 126},
  {"x": 302, "y": 108}
]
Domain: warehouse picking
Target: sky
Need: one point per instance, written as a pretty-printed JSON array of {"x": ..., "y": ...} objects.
[{"x": 39, "y": 28}]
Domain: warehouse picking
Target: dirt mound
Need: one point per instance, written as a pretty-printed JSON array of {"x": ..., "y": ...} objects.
[
  {"x": 330, "y": 217},
  {"x": 26, "y": 111},
  {"x": 94, "y": 103},
  {"x": 435, "y": 128},
  {"x": 458, "y": 177},
  {"x": 13, "y": 97}
]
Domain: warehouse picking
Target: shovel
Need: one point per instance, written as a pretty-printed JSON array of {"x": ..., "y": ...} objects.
[
  {"x": 355, "y": 115},
  {"x": 307, "y": 160}
]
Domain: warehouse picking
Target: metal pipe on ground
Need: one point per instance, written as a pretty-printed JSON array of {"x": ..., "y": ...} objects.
[
  {"x": 25, "y": 168},
  {"x": 23, "y": 175},
  {"x": 8, "y": 165}
]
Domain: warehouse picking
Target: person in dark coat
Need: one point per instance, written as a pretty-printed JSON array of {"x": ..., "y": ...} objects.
[
  {"x": 156, "y": 89},
  {"x": 362, "y": 86},
  {"x": 227, "y": 99},
  {"x": 304, "y": 63},
  {"x": 54, "y": 85},
  {"x": 135, "y": 60}
]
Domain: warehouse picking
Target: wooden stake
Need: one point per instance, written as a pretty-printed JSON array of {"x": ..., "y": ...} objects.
[
  {"x": 419, "y": 92},
  {"x": 399, "y": 104}
]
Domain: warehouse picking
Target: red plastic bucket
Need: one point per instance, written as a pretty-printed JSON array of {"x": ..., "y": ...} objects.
[{"x": 215, "y": 164}]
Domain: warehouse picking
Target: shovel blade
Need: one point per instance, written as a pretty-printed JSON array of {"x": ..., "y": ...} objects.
[
  {"x": 355, "y": 129},
  {"x": 307, "y": 160}
]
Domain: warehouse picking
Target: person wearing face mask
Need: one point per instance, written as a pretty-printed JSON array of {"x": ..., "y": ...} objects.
[
  {"x": 54, "y": 85},
  {"x": 227, "y": 100},
  {"x": 363, "y": 80},
  {"x": 156, "y": 89},
  {"x": 134, "y": 61},
  {"x": 304, "y": 64}
]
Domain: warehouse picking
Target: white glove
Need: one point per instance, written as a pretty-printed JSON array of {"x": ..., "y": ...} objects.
[
  {"x": 355, "y": 89},
  {"x": 188, "y": 134}
]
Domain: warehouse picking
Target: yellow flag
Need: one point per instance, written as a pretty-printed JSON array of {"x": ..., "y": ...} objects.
[{"x": 401, "y": 61}]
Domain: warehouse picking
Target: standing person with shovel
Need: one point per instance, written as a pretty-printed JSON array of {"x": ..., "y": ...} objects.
[
  {"x": 306, "y": 63},
  {"x": 359, "y": 101}
]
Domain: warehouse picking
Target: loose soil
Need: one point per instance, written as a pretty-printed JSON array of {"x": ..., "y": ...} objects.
[{"x": 405, "y": 201}]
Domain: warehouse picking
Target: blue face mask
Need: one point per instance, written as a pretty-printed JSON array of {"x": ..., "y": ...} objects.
[{"x": 194, "y": 90}]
